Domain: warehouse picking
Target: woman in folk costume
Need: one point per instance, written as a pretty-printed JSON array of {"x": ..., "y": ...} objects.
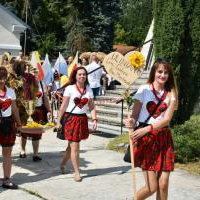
[
  {"x": 5, "y": 61},
  {"x": 8, "y": 129},
  {"x": 153, "y": 143},
  {"x": 31, "y": 90},
  {"x": 76, "y": 98}
]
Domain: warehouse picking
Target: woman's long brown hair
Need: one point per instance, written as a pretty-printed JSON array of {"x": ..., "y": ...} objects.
[
  {"x": 74, "y": 73},
  {"x": 170, "y": 85}
]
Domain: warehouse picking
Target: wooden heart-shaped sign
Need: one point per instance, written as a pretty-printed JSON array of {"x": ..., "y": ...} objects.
[{"x": 121, "y": 69}]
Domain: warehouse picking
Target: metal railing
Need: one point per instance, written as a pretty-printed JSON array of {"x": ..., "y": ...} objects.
[{"x": 122, "y": 108}]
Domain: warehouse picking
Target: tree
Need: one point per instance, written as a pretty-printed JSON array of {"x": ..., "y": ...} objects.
[
  {"x": 76, "y": 38},
  {"x": 105, "y": 13},
  {"x": 177, "y": 39},
  {"x": 134, "y": 21},
  {"x": 47, "y": 31},
  {"x": 90, "y": 25},
  {"x": 68, "y": 25}
]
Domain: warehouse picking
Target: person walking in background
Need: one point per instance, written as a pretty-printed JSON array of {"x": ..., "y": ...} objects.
[
  {"x": 6, "y": 61},
  {"x": 77, "y": 97},
  {"x": 55, "y": 84},
  {"x": 42, "y": 108},
  {"x": 7, "y": 127},
  {"x": 152, "y": 139},
  {"x": 70, "y": 60},
  {"x": 30, "y": 90},
  {"x": 94, "y": 77},
  {"x": 84, "y": 62},
  {"x": 52, "y": 90}
]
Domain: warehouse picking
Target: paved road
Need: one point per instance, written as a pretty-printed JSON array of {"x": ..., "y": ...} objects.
[{"x": 105, "y": 175}]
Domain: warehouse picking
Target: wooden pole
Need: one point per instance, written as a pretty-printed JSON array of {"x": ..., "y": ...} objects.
[
  {"x": 26, "y": 5},
  {"x": 132, "y": 161}
]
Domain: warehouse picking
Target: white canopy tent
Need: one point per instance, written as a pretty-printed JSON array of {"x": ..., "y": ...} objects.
[{"x": 11, "y": 28}]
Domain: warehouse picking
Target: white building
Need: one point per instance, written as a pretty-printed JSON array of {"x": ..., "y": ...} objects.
[{"x": 11, "y": 27}]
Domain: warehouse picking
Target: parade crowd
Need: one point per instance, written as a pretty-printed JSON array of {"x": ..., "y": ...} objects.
[
  {"x": 20, "y": 83},
  {"x": 155, "y": 103}
]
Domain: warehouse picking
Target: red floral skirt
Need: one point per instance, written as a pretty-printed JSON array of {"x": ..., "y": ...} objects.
[
  {"x": 7, "y": 137},
  {"x": 39, "y": 116},
  {"x": 155, "y": 151},
  {"x": 76, "y": 127}
]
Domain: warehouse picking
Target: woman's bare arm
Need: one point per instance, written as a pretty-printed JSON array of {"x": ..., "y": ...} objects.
[{"x": 63, "y": 107}]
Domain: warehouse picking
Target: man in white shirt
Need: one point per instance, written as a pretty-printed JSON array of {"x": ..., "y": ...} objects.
[{"x": 94, "y": 77}]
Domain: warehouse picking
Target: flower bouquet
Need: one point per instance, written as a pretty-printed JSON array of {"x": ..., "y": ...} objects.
[{"x": 36, "y": 128}]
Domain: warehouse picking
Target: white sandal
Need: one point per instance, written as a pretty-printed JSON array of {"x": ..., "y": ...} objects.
[{"x": 77, "y": 177}]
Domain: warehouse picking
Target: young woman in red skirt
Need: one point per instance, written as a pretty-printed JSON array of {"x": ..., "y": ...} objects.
[
  {"x": 153, "y": 143},
  {"x": 7, "y": 127},
  {"x": 77, "y": 98}
]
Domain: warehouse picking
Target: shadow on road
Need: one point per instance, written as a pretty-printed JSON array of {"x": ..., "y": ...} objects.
[{"x": 49, "y": 167}]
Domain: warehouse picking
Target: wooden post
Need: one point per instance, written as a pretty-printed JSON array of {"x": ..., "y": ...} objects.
[
  {"x": 26, "y": 7},
  {"x": 132, "y": 161},
  {"x": 127, "y": 71}
]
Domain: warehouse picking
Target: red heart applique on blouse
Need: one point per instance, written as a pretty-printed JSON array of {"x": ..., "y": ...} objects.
[
  {"x": 38, "y": 94},
  {"x": 4, "y": 105},
  {"x": 151, "y": 106},
  {"x": 80, "y": 102}
]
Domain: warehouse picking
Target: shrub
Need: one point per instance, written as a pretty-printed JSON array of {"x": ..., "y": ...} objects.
[
  {"x": 187, "y": 140},
  {"x": 177, "y": 39}
]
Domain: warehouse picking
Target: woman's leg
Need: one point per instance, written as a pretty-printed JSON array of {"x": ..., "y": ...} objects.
[
  {"x": 7, "y": 164},
  {"x": 66, "y": 155},
  {"x": 7, "y": 161},
  {"x": 75, "y": 159},
  {"x": 35, "y": 144},
  {"x": 163, "y": 183},
  {"x": 23, "y": 145},
  {"x": 151, "y": 185}
]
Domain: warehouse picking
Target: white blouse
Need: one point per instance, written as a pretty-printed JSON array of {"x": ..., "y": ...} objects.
[{"x": 146, "y": 96}]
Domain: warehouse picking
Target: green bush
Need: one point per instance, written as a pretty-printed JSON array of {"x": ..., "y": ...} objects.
[{"x": 187, "y": 140}]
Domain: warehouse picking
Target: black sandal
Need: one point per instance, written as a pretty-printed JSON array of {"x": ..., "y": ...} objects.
[
  {"x": 36, "y": 158},
  {"x": 9, "y": 185}
]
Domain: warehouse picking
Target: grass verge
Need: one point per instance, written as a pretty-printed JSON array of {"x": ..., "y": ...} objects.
[
  {"x": 119, "y": 144},
  {"x": 191, "y": 167},
  {"x": 114, "y": 144}
]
